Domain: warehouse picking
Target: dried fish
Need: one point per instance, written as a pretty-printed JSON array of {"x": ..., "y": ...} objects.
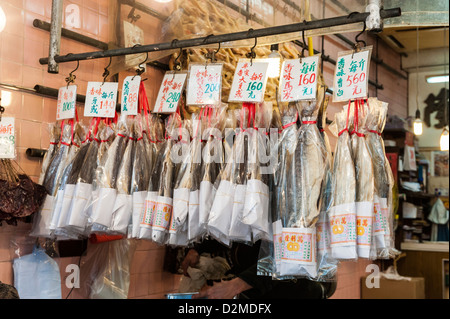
[{"x": 55, "y": 134}]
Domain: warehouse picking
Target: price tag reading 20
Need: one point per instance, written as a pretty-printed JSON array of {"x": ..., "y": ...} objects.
[
  {"x": 298, "y": 80},
  {"x": 249, "y": 81},
  {"x": 351, "y": 75},
  {"x": 170, "y": 92}
]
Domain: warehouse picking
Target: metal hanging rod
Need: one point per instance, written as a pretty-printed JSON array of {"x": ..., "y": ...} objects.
[{"x": 229, "y": 37}]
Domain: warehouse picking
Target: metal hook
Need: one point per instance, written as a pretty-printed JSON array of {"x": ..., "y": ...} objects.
[
  {"x": 106, "y": 72},
  {"x": 140, "y": 68},
  {"x": 358, "y": 41},
  {"x": 251, "y": 55},
  {"x": 304, "y": 43},
  {"x": 71, "y": 78}
]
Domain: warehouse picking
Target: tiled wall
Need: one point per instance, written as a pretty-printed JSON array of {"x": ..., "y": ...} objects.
[{"x": 21, "y": 46}]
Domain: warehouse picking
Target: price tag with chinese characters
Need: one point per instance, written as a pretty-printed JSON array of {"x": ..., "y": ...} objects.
[
  {"x": 170, "y": 92},
  {"x": 130, "y": 93},
  {"x": 351, "y": 75},
  {"x": 65, "y": 107},
  {"x": 204, "y": 84},
  {"x": 249, "y": 81},
  {"x": 7, "y": 138},
  {"x": 101, "y": 99},
  {"x": 298, "y": 80}
]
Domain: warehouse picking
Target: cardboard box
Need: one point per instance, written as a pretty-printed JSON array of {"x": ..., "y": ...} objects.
[{"x": 394, "y": 289}]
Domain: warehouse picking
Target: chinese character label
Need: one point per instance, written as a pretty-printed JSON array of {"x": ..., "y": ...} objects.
[
  {"x": 298, "y": 244},
  {"x": 170, "y": 92},
  {"x": 205, "y": 84},
  {"x": 249, "y": 81},
  {"x": 130, "y": 94},
  {"x": 101, "y": 99},
  {"x": 7, "y": 138},
  {"x": 298, "y": 80},
  {"x": 351, "y": 76},
  {"x": 65, "y": 107}
]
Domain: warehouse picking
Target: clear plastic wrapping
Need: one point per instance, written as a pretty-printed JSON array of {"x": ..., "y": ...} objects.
[
  {"x": 342, "y": 216},
  {"x": 55, "y": 134}
]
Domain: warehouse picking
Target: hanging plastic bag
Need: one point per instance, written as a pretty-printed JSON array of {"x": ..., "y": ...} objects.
[
  {"x": 342, "y": 216},
  {"x": 256, "y": 205},
  {"x": 37, "y": 276},
  {"x": 55, "y": 135},
  {"x": 106, "y": 184},
  {"x": 105, "y": 272},
  {"x": 65, "y": 190},
  {"x": 364, "y": 181}
]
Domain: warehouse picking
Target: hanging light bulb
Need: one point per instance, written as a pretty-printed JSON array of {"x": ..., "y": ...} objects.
[
  {"x": 444, "y": 140},
  {"x": 418, "y": 125},
  {"x": 163, "y": 1},
  {"x": 2, "y": 19},
  {"x": 274, "y": 62}
]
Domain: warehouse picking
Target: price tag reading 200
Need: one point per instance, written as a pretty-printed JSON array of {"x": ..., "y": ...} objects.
[
  {"x": 205, "y": 84},
  {"x": 170, "y": 92},
  {"x": 351, "y": 75},
  {"x": 249, "y": 81}
]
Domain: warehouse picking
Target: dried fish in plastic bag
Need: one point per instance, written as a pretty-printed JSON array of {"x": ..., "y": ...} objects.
[
  {"x": 55, "y": 135},
  {"x": 342, "y": 216}
]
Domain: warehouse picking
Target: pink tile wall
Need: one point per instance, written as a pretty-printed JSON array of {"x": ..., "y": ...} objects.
[{"x": 21, "y": 46}]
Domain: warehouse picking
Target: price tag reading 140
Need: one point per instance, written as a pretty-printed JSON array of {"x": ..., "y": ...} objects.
[
  {"x": 351, "y": 76},
  {"x": 170, "y": 92},
  {"x": 249, "y": 81}
]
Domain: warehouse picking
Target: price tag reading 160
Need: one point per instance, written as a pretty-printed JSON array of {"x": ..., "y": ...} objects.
[{"x": 249, "y": 81}]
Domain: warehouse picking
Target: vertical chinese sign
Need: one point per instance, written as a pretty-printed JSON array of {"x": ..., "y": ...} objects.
[
  {"x": 249, "y": 81},
  {"x": 170, "y": 92},
  {"x": 65, "y": 107},
  {"x": 130, "y": 94},
  {"x": 101, "y": 99},
  {"x": 205, "y": 84},
  {"x": 298, "y": 80},
  {"x": 351, "y": 75}
]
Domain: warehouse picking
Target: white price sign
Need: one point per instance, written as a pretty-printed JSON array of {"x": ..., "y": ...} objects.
[
  {"x": 351, "y": 75},
  {"x": 65, "y": 107},
  {"x": 101, "y": 99},
  {"x": 249, "y": 81},
  {"x": 7, "y": 138},
  {"x": 298, "y": 80},
  {"x": 130, "y": 95},
  {"x": 204, "y": 84},
  {"x": 170, "y": 92}
]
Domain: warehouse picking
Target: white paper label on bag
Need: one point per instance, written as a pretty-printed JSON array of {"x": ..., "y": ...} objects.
[
  {"x": 277, "y": 230},
  {"x": 66, "y": 103},
  {"x": 170, "y": 92},
  {"x": 121, "y": 213},
  {"x": 249, "y": 81},
  {"x": 138, "y": 210},
  {"x": 351, "y": 76},
  {"x": 364, "y": 219},
  {"x": 256, "y": 207},
  {"x": 193, "y": 229},
  {"x": 239, "y": 230},
  {"x": 205, "y": 84},
  {"x": 322, "y": 233},
  {"x": 298, "y": 245},
  {"x": 298, "y": 80},
  {"x": 149, "y": 209},
  {"x": 7, "y": 138},
  {"x": 64, "y": 209},
  {"x": 78, "y": 210},
  {"x": 101, "y": 99},
  {"x": 180, "y": 208},
  {"x": 163, "y": 213},
  {"x": 104, "y": 208},
  {"x": 207, "y": 193},
  {"x": 60, "y": 195},
  {"x": 130, "y": 95},
  {"x": 41, "y": 227},
  {"x": 220, "y": 217}
]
